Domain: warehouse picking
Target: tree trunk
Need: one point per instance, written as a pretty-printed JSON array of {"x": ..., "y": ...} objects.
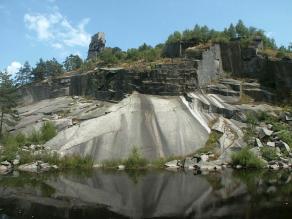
[{"x": 1, "y": 123}]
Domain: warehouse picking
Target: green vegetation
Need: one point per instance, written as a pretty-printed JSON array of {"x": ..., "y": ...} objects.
[
  {"x": 75, "y": 162},
  {"x": 8, "y": 100},
  {"x": 72, "y": 62},
  {"x": 48, "y": 131},
  {"x": 269, "y": 153},
  {"x": 134, "y": 161},
  {"x": 211, "y": 144},
  {"x": 286, "y": 136},
  {"x": 13, "y": 146},
  {"x": 246, "y": 159},
  {"x": 204, "y": 34},
  {"x": 13, "y": 143}
]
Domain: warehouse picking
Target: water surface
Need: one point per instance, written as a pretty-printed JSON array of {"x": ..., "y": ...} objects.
[{"x": 147, "y": 194}]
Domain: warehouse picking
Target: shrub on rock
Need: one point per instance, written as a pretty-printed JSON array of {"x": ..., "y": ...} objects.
[{"x": 247, "y": 159}]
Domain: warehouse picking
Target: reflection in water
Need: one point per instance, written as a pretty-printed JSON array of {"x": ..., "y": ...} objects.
[{"x": 150, "y": 194}]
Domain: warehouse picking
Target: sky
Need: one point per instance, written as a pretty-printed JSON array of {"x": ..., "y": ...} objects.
[{"x": 33, "y": 29}]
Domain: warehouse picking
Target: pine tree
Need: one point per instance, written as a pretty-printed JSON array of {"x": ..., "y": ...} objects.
[
  {"x": 24, "y": 75},
  {"x": 72, "y": 62},
  {"x": 231, "y": 31},
  {"x": 39, "y": 72},
  {"x": 241, "y": 29},
  {"x": 53, "y": 68},
  {"x": 8, "y": 99}
]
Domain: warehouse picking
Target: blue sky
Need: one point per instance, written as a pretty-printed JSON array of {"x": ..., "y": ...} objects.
[{"x": 31, "y": 29}]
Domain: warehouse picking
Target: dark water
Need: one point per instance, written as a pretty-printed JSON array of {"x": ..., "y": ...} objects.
[{"x": 149, "y": 194}]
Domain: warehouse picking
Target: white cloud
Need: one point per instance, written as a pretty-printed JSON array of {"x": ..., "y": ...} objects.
[
  {"x": 57, "y": 45},
  {"x": 13, "y": 67},
  {"x": 269, "y": 34},
  {"x": 57, "y": 30}
]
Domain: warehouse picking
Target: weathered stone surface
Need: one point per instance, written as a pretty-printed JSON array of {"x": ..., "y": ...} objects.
[
  {"x": 172, "y": 164},
  {"x": 32, "y": 167},
  {"x": 96, "y": 45},
  {"x": 121, "y": 167},
  {"x": 283, "y": 146},
  {"x": 258, "y": 143},
  {"x": 149, "y": 122},
  {"x": 265, "y": 133},
  {"x": 4, "y": 169},
  {"x": 271, "y": 144},
  {"x": 190, "y": 162}
]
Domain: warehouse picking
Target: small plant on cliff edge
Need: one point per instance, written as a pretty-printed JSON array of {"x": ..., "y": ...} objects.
[
  {"x": 135, "y": 160},
  {"x": 246, "y": 159},
  {"x": 48, "y": 131}
]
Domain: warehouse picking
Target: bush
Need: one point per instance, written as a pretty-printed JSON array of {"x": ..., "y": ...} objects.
[
  {"x": 34, "y": 137},
  {"x": 246, "y": 159},
  {"x": 21, "y": 139},
  {"x": 76, "y": 162},
  {"x": 48, "y": 131},
  {"x": 111, "y": 163},
  {"x": 286, "y": 136},
  {"x": 211, "y": 144},
  {"x": 135, "y": 160},
  {"x": 10, "y": 148},
  {"x": 269, "y": 153}
]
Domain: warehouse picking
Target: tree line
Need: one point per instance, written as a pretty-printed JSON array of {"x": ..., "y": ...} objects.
[
  {"x": 44, "y": 69},
  {"x": 239, "y": 30}
]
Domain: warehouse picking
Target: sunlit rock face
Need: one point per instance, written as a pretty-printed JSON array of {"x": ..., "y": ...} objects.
[
  {"x": 157, "y": 126},
  {"x": 96, "y": 45}
]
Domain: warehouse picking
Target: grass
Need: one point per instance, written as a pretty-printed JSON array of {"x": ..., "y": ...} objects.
[
  {"x": 246, "y": 159},
  {"x": 160, "y": 163},
  {"x": 244, "y": 99},
  {"x": 13, "y": 145},
  {"x": 48, "y": 131},
  {"x": 67, "y": 162},
  {"x": 211, "y": 144},
  {"x": 75, "y": 162},
  {"x": 286, "y": 136},
  {"x": 269, "y": 153},
  {"x": 135, "y": 160}
]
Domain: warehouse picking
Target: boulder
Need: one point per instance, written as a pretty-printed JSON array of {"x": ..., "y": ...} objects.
[
  {"x": 271, "y": 144},
  {"x": 44, "y": 167},
  {"x": 264, "y": 132},
  {"x": 31, "y": 167},
  {"x": 258, "y": 143},
  {"x": 190, "y": 162},
  {"x": 15, "y": 162},
  {"x": 274, "y": 167},
  {"x": 283, "y": 146},
  {"x": 204, "y": 157},
  {"x": 6, "y": 163},
  {"x": 4, "y": 169},
  {"x": 172, "y": 164},
  {"x": 121, "y": 167}
]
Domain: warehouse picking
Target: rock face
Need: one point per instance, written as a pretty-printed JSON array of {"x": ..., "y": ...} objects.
[
  {"x": 157, "y": 126},
  {"x": 247, "y": 62},
  {"x": 96, "y": 45},
  {"x": 175, "y": 78}
]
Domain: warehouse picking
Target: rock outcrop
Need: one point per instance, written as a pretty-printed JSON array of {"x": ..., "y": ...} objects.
[{"x": 96, "y": 45}]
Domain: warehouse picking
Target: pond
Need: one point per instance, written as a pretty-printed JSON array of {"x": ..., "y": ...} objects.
[{"x": 147, "y": 194}]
